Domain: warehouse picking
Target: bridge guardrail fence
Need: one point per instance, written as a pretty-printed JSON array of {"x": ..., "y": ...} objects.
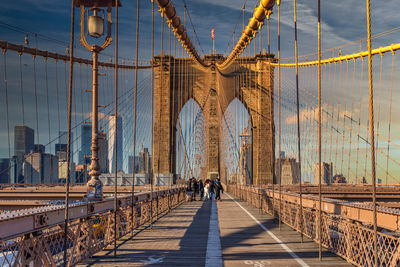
[
  {"x": 348, "y": 238},
  {"x": 88, "y": 234}
]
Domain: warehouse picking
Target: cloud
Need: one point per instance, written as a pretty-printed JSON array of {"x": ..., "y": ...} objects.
[{"x": 311, "y": 114}]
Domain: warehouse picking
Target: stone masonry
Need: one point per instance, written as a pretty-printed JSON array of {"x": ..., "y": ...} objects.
[{"x": 248, "y": 79}]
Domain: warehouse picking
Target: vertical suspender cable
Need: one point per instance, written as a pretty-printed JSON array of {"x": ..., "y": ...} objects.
[
  {"x": 269, "y": 43},
  {"x": 22, "y": 88},
  {"x": 319, "y": 134},
  {"x": 71, "y": 71},
  {"x": 254, "y": 41},
  {"x": 36, "y": 100},
  {"x": 134, "y": 112},
  {"x": 298, "y": 118},
  {"x": 159, "y": 120},
  {"x": 116, "y": 131},
  {"x": 371, "y": 121},
  {"x": 152, "y": 110},
  {"x": 171, "y": 138},
  {"x": 8, "y": 121},
  {"x": 390, "y": 120},
  {"x": 279, "y": 111},
  {"x": 260, "y": 41},
  {"x": 48, "y": 117},
  {"x": 179, "y": 107}
]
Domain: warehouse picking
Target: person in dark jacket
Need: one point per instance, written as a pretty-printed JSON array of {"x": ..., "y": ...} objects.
[
  {"x": 218, "y": 189},
  {"x": 189, "y": 185},
  {"x": 201, "y": 188},
  {"x": 195, "y": 188},
  {"x": 212, "y": 189}
]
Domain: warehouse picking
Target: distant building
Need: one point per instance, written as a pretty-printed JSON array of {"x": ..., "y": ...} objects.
[
  {"x": 144, "y": 161},
  {"x": 63, "y": 143},
  {"x": 62, "y": 155},
  {"x": 60, "y": 148},
  {"x": 289, "y": 171},
  {"x": 16, "y": 171},
  {"x": 86, "y": 142},
  {"x": 40, "y": 168},
  {"x": 130, "y": 164},
  {"x": 63, "y": 170},
  {"x": 245, "y": 158},
  {"x": 326, "y": 174},
  {"x": 111, "y": 140},
  {"x": 5, "y": 171},
  {"x": 103, "y": 152},
  {"x": 39, "y": 148},
  {"x": 81, "y": 173},
  {"x": 23, "y": 141}
]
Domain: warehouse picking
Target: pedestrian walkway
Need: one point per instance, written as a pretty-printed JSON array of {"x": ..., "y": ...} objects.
[{"x": 227, "y": 233}]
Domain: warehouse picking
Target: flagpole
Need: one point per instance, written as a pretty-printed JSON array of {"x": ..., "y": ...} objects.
[{"x": 213, "y": 37}]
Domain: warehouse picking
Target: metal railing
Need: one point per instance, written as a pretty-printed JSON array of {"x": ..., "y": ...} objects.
[
  {"x": 36, "y": 238},
  {"x": 350, "y": 239}
]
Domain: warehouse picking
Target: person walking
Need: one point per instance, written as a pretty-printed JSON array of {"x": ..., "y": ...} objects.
[
  {"x": 189, "y": 189},
  {"x": 218, "y": 189},
  {"x": 195, "y": 188},
  {"x": 201, "y": 188},
  {"x": 206, "y": 190},
  {"x": 211, "y": 189},
  {"x": 189, "y": 185}
]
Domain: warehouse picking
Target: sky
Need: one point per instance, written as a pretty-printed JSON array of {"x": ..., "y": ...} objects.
[{"x": 342, "y": 22}]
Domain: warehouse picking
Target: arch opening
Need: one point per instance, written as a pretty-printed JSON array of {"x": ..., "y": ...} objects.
[
  {"x": 237, "y": 144},
  {"x": 190, "y": 136}
]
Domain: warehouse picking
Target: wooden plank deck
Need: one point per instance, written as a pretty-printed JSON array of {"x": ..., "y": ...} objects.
[{"x": 181, "y": 239}]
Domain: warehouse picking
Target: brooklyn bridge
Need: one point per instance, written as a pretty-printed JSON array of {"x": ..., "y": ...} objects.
[{"x": 199, "y": 133}]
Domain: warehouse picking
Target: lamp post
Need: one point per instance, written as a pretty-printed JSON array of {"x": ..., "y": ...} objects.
[{"x": 95, "y": 10}]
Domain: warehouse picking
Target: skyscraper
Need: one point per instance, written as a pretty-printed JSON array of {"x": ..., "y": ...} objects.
[
  {"x": 23, "y": 144},
  {"x": 39, "y": 148},
  {"x": 326, "y": 174},
  {"x": 62, "y": 145},
  {"x": 144, "y": 160},
  {"x": 103, "y": 152},
  {"x": 130, "y": 164},
  {"x": 61, "y": 151},
  {"x": 86, "y": 142},
  {"x": 4, "y": 171},
  {"x": 63, "y": 170},
  {"x": 111, "y": 150},
  {"x": 23, "y": 141},
  {"x": 40, "y": 168}
]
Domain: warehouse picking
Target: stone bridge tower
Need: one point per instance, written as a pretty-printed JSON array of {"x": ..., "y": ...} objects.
[{"x": 248, "y": 79}]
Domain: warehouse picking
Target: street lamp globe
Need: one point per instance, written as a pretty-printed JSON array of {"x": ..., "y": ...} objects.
[{"x": 95, "y": 27}]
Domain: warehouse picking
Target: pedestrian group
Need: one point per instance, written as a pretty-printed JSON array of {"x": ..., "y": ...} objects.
[{"x": 209, "y": 190}]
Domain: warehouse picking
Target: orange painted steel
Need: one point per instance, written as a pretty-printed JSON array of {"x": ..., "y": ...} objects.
[
  {"x": 167, "y": 9},
  {"x": 4, "y": 45},
  {"x": 35, "y": 238},
  {"x": 57, "y": 192},
  {"x": 381, "y": 50},
  {"x": 346, "y": 227},
  {"x": 255, "y": 23}
]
